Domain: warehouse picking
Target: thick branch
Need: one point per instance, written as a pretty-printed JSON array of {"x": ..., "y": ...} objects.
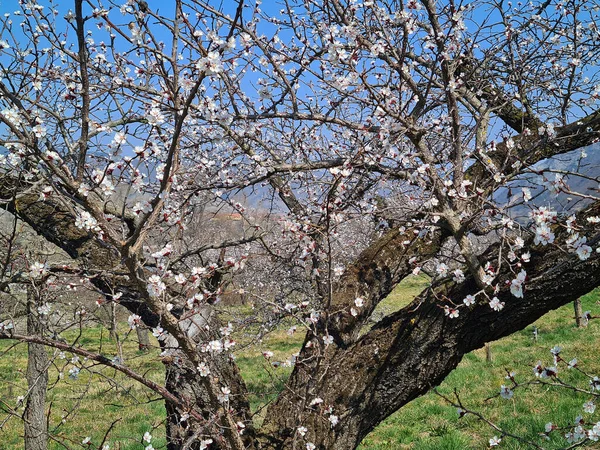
[{"x": 413, "y": 350}]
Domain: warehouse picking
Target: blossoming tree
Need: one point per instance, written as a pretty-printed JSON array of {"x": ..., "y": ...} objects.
[{"x": 442, "y": 123}]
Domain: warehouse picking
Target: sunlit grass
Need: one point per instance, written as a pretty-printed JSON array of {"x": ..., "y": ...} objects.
[
  {"x": 426, "y": 423},
  {"x": 429, "y": 423}
]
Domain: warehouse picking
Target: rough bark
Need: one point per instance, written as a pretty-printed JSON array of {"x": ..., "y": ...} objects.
[
  {"x": 364, "y": 379},
  {"x": 181, "y": 378},
  {"x": 35, "y": 424},
  {"x": 374, "y": 275},
  {"x": 413, "y": 350},
  {"x": 56, "y": 223}
]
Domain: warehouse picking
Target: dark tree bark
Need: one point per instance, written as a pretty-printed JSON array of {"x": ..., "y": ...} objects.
[
  {"x": 36, "y": 426},
  {"x": 413, "y": 350},
  {"x": 363, "y": 378},
  {"x": 57, "y": 224}
]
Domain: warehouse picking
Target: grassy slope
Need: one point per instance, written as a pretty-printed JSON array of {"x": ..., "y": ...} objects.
[{"x": 427, "y": 423}]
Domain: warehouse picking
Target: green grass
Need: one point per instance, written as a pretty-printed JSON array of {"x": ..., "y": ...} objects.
[
  {"x": 429, "y": 423},
  {"x": 426, "y": 423},
  {"x": 103, "y": 401}
]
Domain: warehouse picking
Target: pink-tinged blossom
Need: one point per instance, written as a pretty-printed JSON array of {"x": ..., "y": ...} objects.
[
  {"x": 519, "y": 243},
  {"x": 452, "y": 313},
  {"x": 203, "y": 369},
  {"x": 543, "y": 235},
  {"x": 506, "y": 393},
  {"x": 85, "y": 221},
  {"x": 549, "y": 372},
  {"x": 155, "y": 116},
  {"x": 495, "y": 441},
  {"x": 516, "y": 285},
  {"x": 589, "y": 407},
  {"x": 223, "y": 396},
  {"x": 215, "y": 346},
  {"x": 594, "y": 433},
  {"x": 488, "y": 278},
  {"x": 180, "y": 278},
  {"x": 543, "y": 215},
  {"x": 334, "y": 420},
  {"x": 107, "y": 187},
  {"x": 166, "y": 251},
  {"x": 159, "y": 333},
  {"x": 53, "y": 156},
  {"x": 84, "y": 189},
  {"x": 198, "y": 271},
  {"x": 459, "y": 276},
  {"x": 155, "y": 286},
  {"x": 576, "y": 435},
  {"x": 134, "y": 321},
  {"x": 316, "y": 401},
  {"x": 442, "y": 269},
  {"x": 594, "y": 219},
  {"x": 142, "y": 208},
  {"x": 240, "y": 427},
  {"x": 583, "y": 251},
  {"x": 205, "y": 443},
  {"x": 37, "y": 270},
  {"x": 211, "y": 64},
  {"x": 39, "y": 131},
  {"x": 496, "y": 304},
  {"x": 469, "y": 300},
  {"x": 120, "y": 138},
  {"x": 572, "y": 364}
]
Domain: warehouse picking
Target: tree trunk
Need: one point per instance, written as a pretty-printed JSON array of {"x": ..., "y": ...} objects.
[
  {"x": 578, "y": 313},
  {"x": 413, "y": 350},
  {"x": 488, "y": 353},
  {"x": 181, "y": 378},
  {"x": 36, "y": 427},
  {"x": 143, "y": 338},
  {"x": 360, "y": 378}
]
